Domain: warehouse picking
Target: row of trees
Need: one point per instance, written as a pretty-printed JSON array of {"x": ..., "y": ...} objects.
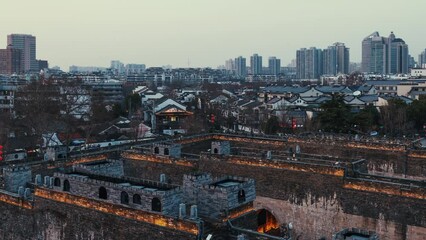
[
  {"x": 395, "y": 119},
  {"x": 45, "y": 107}
]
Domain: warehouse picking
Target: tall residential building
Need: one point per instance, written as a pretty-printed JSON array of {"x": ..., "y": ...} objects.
[
  {"x": 42, "y": 64},
  {"x": 397, "y": 55},
  {"x": 117, "y": 67},
  {"x": 383, "y": 55},
  {"x": 240, "y": 67},
  {"x": 274, "y": 66},
  {"x": 27, "y": 44},
  {"x": 309, "y": 63},
  {"x": 411, "y": 62},
  {"x": 230, "y": 65},
  {"x": 422, "y": 59},
  {"x": 256, "y": 64},
  {"x": 11, "y": 61},
  {"x": 135, "y": 69},
  {"x": 336, "y": 59}
]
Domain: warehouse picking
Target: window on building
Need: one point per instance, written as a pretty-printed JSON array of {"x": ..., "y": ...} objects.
[
  {"x": 67, "y": 186},
  {"x": 103, "y": 194},
  {"x": 166, "y": 151},
  {"x": 156, "y": 150},
  {"x": 124, "y": 198},
  {"x": 137, "y": 199},
  {"x": 241, "y": 196},
  {"x": 156, "y": 205}
]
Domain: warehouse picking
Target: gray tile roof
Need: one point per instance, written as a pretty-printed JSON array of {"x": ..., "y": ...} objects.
[{"x": 286, "y": 89}]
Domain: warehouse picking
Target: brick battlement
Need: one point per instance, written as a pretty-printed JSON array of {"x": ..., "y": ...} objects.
[
  {"x": 164, "y": 189},
  {"x": 289, "y": 165},
  {"x": 371, "y": 145},
  {"x": 16, "y": 168},
  {"x": 395, "y": 189},
  {"x": 156, "y": 158},
  {"x": 202, "y": 176},
  {"x": 188, "y": 226},
  {"x": 15, "y": 199},
  {"x": 99, "y": 163}
]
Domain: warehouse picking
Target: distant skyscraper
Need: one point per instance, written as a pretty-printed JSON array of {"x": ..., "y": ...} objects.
[
  {"x": 384, "y": 55},
  {"x": 309, "y": 63},
  {"x": 411, "y": 62},
  {"x": 397, "y": 55},
  {"x": 256, "y": 64},
  {"x": 422, "y": 59},
  {"x": 11, "y": 61},
  {"x": 230, "y": 65},
  {"x": 240, "y": 66},
  {"x": 336, "y": 59},
  {"x": 135, "y": 69},
  {"x": 27, "y": 44},
  {"x": 373, "y": 54},
  {"x": 117, "y": 67},
  {"x": 274, "y": 66},
  {"x": 42, "y": 64}
]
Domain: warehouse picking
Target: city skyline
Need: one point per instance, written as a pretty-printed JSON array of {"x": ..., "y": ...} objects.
[{"x": 202, "y": 34}]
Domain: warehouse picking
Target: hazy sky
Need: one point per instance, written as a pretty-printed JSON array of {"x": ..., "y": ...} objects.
[{"x": 207, "y": 32}]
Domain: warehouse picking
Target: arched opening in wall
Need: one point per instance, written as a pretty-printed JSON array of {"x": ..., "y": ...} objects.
[
  {"x": 67, "y": 186},
  {"x": 137, "y": 199},
  {"x": 156, "y": 150},
  {"x": 166, "y": 151},
  {"x": 103, "y": 194},
  {"x": 124, "y": 198},
  {"x": 241, "y": 196},
  {"x": 156, "y": 205},
  {"x": 215, "y": 151},
  {"x": 267, "y": 223},
  {"x": 57, "y": 182}
]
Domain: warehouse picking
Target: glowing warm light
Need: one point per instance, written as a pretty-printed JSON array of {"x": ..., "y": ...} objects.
[
  {"x": 271, "y": 224},
  {"x": 278, "y": 142},
  {"x": 375, "y": 147},
  {"x": 155, "y": 158},
  {"x": 420, "y": 154},
  {"x": 87, "y": 159},
  {"x": 289, "y": 166},
  {"x": 239, "y": 212},
  {"x": 114, "y": 209},
  {"x": 16, "y": 201},
  {"x": 386, "y": 189}
]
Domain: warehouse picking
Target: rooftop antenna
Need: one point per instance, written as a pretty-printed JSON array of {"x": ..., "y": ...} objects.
[{"x": 189, "y": 63}]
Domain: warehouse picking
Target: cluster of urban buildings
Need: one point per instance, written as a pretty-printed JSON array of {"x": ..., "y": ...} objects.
[
  {"x": 20, "y": 55},
  {"x": 239, "y": 68},
  {"x": 380, "y": 56}
]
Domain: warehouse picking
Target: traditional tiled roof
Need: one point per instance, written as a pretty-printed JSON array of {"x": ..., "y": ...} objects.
[{"x": 286, "y": 89}]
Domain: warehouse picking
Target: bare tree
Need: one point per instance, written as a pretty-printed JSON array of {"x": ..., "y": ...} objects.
[{"x": 37, "y": 108}]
